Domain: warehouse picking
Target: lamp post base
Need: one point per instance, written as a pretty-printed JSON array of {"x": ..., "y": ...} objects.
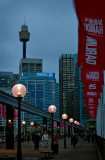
[
  {"x": 52, "y": 146},
  {"x": 19, "y": 155},
  {"x": 65, "y": 144}
]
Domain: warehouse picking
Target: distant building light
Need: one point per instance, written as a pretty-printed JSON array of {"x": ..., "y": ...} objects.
[
  {"x": 50, "y": 75},
  {"x": 45, "y": 74}
]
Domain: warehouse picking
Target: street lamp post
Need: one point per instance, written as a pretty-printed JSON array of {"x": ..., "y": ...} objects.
[
  {"x": 19, "y": 91},
  {"x": 32, "y": 125},
  {"x": 78, "y": 129},
  {"x": 24, "y": 132},
  {"x": 64, "y": 117},
  {"x": 75, "y": 122},
  {"x": 78, "y": 123},
  {"x": 52, "y": 110},
  {"x": 71, "y": 120}
]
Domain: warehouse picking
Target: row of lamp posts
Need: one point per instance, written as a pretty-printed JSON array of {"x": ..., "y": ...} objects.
[
  {"x": 71, "y": 120},
  {"x": 52, "y": 110},
  {"x": 19, "y": 91}
]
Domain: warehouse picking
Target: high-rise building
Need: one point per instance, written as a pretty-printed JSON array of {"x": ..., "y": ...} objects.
[
  {"x": 66, "y": 79},
  {"x": 41, "y": 91},
  {"x": 30, "y": 65},
  {"x": 7, "y": 80},
  {"x": 76, "y": 101},
  {"x": 57, "y": 98}
]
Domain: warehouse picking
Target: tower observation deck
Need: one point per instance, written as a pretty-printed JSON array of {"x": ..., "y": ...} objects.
[{"x": 24, "y": 36}]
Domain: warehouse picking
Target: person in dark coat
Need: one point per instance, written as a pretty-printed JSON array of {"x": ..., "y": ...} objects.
[
  {"x": 28, "y": 137},
  {"x": 36, "y": 139},
  {"x": 74, "y": 140},
  {"x": 88, "y": 137}
]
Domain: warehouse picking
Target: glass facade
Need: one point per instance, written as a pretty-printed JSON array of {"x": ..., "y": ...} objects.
[
  {"x": 76, "y": 101},
  {"x": 41, "y": 89},
  {"x": 6, "y": 80},
  {"x": 66, "y": 79}
]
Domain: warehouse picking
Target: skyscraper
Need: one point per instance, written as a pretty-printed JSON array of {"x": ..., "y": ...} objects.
[
  {"x": 41, "y": 91},
  {"x": 66, "y": 78},
  {"x": 76, "y": 102}
]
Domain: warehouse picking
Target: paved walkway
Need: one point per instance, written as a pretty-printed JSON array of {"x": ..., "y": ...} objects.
[{"x": 82, "y": 151}]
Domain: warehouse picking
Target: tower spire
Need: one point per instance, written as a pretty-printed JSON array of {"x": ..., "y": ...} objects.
[
  {"x": 24, "y": 36},
  {"x": 24, "y": 19}
]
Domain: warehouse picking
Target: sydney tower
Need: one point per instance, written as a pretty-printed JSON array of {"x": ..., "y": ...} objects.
[{"x": 24, "y": 36}]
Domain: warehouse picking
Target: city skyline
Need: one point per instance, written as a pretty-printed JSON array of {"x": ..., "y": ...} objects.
[{"x": 53, "y": 28}]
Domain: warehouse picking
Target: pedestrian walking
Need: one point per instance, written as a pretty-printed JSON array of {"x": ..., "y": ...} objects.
[
  {"x": 36, "y": 140},
  {"x": 28, "y": 137},
  {"x": 45, "y": 140},
  {"x": 92, "y": 137},
  {"x": 71, "y": 138},
  {"x": 88, "y": 137},
  {"x": 74, "y": 140}
]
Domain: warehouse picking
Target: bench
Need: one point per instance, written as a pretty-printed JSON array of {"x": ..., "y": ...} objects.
[{"x": 47, "y": 153}]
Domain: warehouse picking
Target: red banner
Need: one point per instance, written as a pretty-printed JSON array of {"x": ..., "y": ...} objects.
[
  {"x": 15, "y": 114},
  {"x": 81, "y": 47},
  {"x": 92, "y": 75},
  {"x": 92, "y": 86},
  {"x": 61, "y": 125},
  {"x": 4, "y": 111},
  {"x": 92, "y": 107},
  {"x": 91, "y": 100},
  {"x": 91, "y": 51},
  {"x": 92, "y": 94},
  {"x": 92, "y": 113},
  {"x": 66, "y": 126},
  {"x": 91, "y": 16},
  {"x": 1, "y": 112}
]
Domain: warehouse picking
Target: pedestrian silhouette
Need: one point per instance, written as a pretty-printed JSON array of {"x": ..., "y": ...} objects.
[
  {"x": 74, "y": 140},
  {"x": 36, "y": 140},
  {"x": 45, "y": 140}
]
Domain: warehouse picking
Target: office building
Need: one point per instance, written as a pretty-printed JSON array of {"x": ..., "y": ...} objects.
[
  {"x": 66, "y": 79},
  {"x": 76, "y": 101},
  {"x": 7, "y": 80},
  {"x": 57, "y": 99},
  {"x": 41, "y": 88},
  {"x": 30, "y": 65}
]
